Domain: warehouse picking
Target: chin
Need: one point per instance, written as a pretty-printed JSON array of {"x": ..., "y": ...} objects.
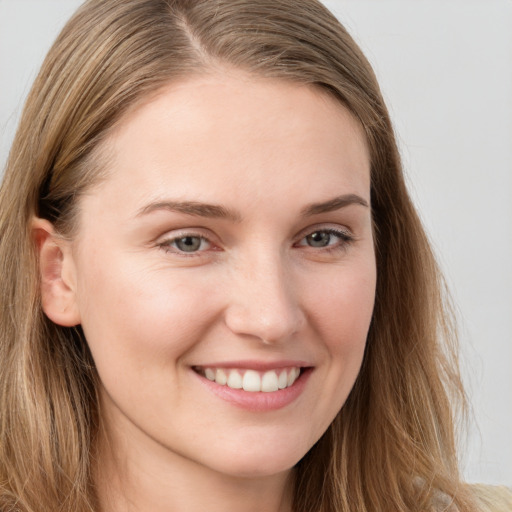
[{"x": 260, "y": 462}]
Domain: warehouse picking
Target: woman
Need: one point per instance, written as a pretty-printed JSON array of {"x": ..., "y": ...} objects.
[{"x": 217, "y": 293}]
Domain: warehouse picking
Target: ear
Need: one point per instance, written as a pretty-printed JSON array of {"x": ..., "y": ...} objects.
[{"x": 57, "y": 274}]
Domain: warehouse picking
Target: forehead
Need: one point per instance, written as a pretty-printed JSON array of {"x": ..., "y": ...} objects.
[{"x": 221, "y": 137}]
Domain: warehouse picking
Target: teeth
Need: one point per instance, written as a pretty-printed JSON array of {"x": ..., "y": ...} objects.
[
  {"x": 283, "y": 380},
  {"x": 251, "y": 380},
  {"x": 292, "y": 376},
  {"x": 269, "y": 382},
  {"x": 235, "y": 380},
  {"x": 221, "y": 377}
]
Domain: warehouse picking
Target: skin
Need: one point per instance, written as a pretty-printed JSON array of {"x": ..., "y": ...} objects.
[{"x": 257, "y": 288}]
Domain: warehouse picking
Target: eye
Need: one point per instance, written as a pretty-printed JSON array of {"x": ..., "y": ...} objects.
[
  {"x": 326, "y": 238},
  {"x": 186, "y": 244},
  {"x": 319, "y": 239}
]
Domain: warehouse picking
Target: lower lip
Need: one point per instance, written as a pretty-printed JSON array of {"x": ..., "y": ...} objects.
[{"x": 258, "y": 401}]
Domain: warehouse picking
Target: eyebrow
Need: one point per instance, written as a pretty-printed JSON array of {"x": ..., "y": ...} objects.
[
  {"x": 333, "y": 204},
  {"x": 194, "y": 208},
  {"x": 214, "y": 211}
]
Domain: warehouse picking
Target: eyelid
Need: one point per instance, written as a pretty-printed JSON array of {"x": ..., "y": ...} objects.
[
  {"x": 333, "y": 228},
  {"x": 165, "y": 242},
  {"x": 345, "y": 235}
]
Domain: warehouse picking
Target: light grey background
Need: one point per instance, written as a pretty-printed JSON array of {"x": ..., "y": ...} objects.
[{"x": 445, "y": 67}]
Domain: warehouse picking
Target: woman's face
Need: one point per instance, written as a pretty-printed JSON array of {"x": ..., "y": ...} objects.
[{"x": 231, "y": 240}]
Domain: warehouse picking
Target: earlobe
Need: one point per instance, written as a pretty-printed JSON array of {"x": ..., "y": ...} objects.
[{"x": 56, "y": 271}]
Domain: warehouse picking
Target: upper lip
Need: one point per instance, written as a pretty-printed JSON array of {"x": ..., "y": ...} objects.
[{"x": 257, "y": 364}]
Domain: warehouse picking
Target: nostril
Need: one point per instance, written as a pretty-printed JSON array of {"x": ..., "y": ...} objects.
[
  {"x": 271, "y": 324},
  {"x": 263, "y": 303}
]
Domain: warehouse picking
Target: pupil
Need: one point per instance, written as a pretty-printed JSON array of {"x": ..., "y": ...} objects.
[
  {"x": 319, "y": 239},
  {"x": 188, "y": 243}
]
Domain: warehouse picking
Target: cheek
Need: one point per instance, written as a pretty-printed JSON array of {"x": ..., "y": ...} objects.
[
  {"x": 342, "y": 308},
  {"x": 340, "y": 313},
  {"x": 138, "y": 319}
]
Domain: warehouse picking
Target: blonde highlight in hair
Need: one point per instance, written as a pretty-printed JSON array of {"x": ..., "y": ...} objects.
[{"x": 392, "y": 446}]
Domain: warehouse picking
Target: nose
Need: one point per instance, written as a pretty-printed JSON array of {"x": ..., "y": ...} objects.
[{"x": 264, "y": 302}]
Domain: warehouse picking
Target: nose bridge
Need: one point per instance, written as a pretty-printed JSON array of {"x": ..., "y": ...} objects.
[{"x": 264, "y": 303}]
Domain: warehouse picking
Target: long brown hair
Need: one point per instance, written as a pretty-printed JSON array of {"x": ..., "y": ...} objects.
[{"x": 392, "y": 445}]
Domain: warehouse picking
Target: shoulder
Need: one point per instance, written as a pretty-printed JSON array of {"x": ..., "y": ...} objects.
[
  {"x": 492, "y": 498},
  {"x": 487, "y": 498}
]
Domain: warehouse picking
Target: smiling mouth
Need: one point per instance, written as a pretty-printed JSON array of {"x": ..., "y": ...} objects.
[{"x": 251, "y": 380}]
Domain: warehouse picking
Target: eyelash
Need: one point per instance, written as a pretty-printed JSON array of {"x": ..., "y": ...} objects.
[
  {"x": 167, "y": 245},
  {"x": 344, "y": 240}
]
